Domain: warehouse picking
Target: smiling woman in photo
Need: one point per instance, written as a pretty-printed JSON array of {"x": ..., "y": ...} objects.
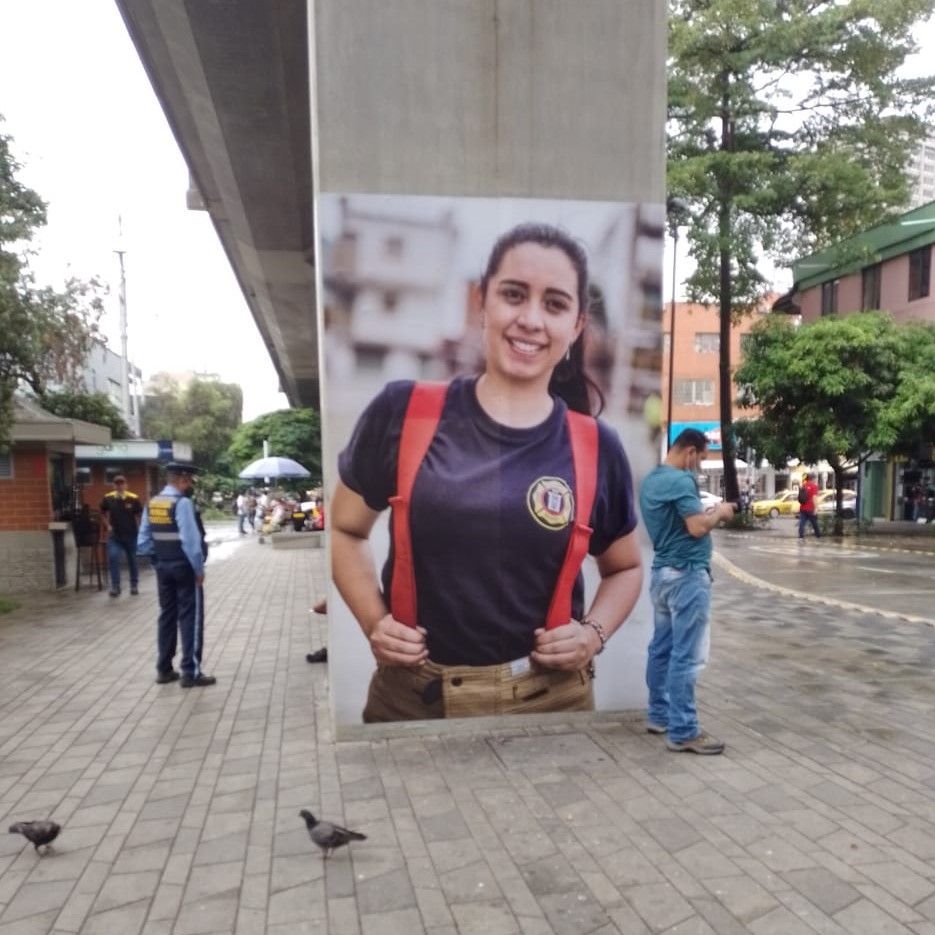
[{"x": 500, "y": 484}]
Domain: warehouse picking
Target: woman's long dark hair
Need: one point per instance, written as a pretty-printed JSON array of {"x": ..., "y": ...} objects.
[{"x": 570, "y": 381}]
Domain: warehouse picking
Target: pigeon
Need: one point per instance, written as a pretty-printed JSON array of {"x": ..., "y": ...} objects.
[
  {"x": 38, "y": 832},
  {"x": 327, "y": 836}
]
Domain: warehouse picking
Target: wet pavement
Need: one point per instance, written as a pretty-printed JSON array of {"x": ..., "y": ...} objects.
[
  {"x": 180, "y": 807},
  {"x": 883, "y": 572}
]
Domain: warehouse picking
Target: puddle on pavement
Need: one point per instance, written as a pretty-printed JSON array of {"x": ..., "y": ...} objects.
[{"x": 223, "y": 549}]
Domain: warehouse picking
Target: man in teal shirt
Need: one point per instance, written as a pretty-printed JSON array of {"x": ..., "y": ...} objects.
[{"x": 680, "y": 588}]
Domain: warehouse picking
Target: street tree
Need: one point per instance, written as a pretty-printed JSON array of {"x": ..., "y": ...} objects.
[
  {"x": 291, "y": 433},
  {"x": 835, "y": 390},
  {"x": 789, "y": 128},
  {"x": 909, "y": 419},
  {"x": 89, "y": 407},
  {"x": 203, "y": 412},
  {"x": 45, "y": 333}
]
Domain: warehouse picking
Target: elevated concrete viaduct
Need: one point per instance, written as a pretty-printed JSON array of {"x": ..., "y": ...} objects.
[{"x": 521, "y": 98}]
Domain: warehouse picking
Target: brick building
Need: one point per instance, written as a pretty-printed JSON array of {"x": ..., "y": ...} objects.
[
  {"x": 138, "y": 459},
  {"x": 695, "y": 384},
  {"x": 37, "y": 496},
  {"x": 888, "y": 267}
]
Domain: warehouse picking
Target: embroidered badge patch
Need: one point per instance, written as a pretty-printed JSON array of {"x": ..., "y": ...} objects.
[{"x": 551, "y": 502}]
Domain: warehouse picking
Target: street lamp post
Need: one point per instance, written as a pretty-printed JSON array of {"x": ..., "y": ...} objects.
[{"x": 675, "y": 211}]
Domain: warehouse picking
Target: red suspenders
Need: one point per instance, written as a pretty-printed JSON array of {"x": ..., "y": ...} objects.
[
  {"x": 582, "y": 430},
  {"x": 419, "y": 425}
]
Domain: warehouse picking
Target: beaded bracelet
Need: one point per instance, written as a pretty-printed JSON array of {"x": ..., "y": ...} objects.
[{"x": 598, "y": 629}]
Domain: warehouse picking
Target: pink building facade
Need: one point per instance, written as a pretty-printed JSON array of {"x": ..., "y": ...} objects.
[
  {"x": 886, "y": 268},
  {"x": 894, "y": 293}
]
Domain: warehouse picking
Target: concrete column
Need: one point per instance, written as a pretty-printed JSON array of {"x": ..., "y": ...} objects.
[
  {"x": 521, "y": 98},
  {"x": 545, "y": 99}
]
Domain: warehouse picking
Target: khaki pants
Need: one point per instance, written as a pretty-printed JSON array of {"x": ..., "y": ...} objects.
[{"x": 435, "y": 691}]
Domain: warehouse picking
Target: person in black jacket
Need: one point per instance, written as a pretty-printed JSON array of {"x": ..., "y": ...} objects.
[{"x": 120, "y": 512}]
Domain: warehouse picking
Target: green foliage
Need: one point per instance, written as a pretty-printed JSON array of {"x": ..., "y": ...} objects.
[
  {"x": 746, "y": 522},
  {"x": 206, "y": 484},
  {"x": 910, "y": 416},
  {"x": 205, "y": 413},
  {"x": 788, "y": 129},
  {"x": 837, "y": 389},
  {"x": 8, "y": 605},
  {"x": 291, "y": 433},
  {"x": 162, "y": 413},
  {"x": 89, "y": 407},
  {"x": 45, "y": 333}
]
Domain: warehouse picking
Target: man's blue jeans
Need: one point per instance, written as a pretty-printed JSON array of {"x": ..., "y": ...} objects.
[
  {"x": 679, "y": 648},
  {"x": 115, "y": 550},
  {"x": 808, "y": 518}
]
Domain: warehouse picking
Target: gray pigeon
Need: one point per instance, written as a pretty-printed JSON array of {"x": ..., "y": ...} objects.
[
  {"x": 328, "y": 836},
  {"x": 38, "y": 832}
]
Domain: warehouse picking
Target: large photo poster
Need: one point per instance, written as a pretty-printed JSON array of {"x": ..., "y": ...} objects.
[{"x": 477, "y": 512}]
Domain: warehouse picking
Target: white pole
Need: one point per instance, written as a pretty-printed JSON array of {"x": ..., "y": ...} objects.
[
  {"x": 124, "y": 363},
  {"x": 265, "y": 448}
]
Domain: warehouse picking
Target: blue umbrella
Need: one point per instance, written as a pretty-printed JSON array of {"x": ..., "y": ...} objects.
[{"x": 273, "y": 467}]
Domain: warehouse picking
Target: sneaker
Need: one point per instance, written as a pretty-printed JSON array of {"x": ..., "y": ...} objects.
[
  {"x": 197, "y": 681},
  {"x": 135, "y": 591},
  {"x": 320, "y": 655},
  {"x": 114, "y": 593},
  {"x": 703, "y": 744},
  {"x": 163, "y": 678},
  {"x": 655, "y": 728}
]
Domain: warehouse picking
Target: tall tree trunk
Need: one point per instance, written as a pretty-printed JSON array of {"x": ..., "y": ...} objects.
[
  {"x": 726, "y": 302},
  {"x": 839, "y": 479}
]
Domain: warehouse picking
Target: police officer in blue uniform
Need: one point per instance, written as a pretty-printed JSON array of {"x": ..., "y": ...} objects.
[{"x": 170, "y": 533}]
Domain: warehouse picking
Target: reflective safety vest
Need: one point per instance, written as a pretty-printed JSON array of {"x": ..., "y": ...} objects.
[
  {"x": 419, "y": 426},
  {"x": 167, "y": 541}
]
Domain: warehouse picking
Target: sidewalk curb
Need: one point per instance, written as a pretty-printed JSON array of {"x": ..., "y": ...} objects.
[
  {"x": 849, "y": 544},
  {"x": 884, "y": 548},
  {"x": 726, "y": 565}
]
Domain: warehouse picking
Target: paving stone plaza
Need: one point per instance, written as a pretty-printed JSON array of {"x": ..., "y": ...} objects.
[{"x": 180, "y": 808}]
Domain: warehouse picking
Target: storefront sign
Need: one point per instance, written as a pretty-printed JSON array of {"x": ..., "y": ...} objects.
[{"x": 712, "y": 431}]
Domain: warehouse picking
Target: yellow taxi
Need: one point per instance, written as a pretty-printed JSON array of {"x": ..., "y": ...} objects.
[{"x": 785, "y": 504}]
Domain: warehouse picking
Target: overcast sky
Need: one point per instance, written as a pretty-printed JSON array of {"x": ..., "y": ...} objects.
[{"x": 95, "y": 145}]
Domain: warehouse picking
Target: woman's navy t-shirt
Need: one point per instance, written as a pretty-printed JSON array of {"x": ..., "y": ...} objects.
[{"x": 492, "y": 509}]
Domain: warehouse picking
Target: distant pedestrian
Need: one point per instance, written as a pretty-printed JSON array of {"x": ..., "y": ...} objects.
[
  {"x": 170, "y": 532},
  {"x": 262, "y": 504},
  {"x": 807, "y": 508},
  {"x": 241, "y": 513},
  {"x": 915, "y": 501},
  {"x": 120, "y": 514},
  {"x": 746, "y": 499},
  {"x": 680, "y": 589}
]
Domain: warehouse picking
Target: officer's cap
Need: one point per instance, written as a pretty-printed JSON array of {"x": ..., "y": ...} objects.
[{"x": 176, "y": 467}]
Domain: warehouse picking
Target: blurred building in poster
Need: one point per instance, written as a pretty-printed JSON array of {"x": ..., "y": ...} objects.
[{"x": 402, "y": 299}]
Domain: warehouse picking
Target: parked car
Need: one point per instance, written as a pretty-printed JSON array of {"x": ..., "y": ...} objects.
[
  {"x": 785, "y": 504},
  {"x": 826, "y": 502}
]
